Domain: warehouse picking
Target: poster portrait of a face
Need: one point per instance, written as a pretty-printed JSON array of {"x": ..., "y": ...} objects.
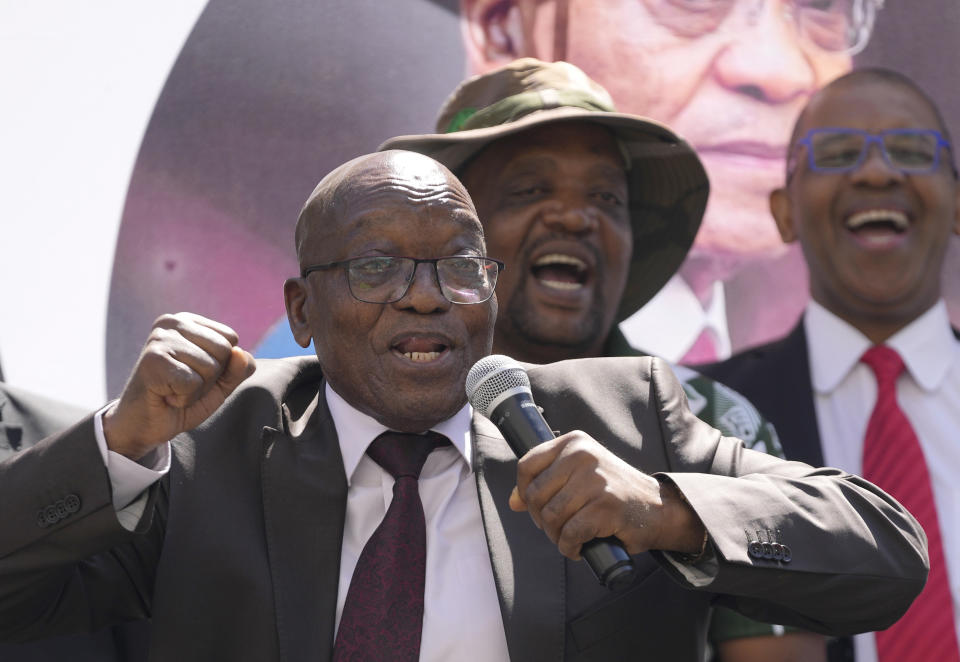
[{"x": 265, "y": 98}]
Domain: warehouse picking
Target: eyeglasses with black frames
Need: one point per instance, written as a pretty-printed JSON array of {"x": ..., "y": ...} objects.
[
  {"x": 839, "y": 150},
  {"x": 463, "y": 279}
]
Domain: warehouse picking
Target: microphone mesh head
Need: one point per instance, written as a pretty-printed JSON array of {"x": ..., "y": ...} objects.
[{"x": 491, "y": 376}]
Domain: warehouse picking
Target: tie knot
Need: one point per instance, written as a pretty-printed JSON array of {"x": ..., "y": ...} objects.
[
  {"x": 885, "y": 363},
  {"x": 403, "y": 454}
]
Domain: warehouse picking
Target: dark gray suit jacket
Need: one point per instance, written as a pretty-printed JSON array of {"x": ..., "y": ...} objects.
[
  {"x": 25, "y": 419},
  {"x": 238, "y": 556}
]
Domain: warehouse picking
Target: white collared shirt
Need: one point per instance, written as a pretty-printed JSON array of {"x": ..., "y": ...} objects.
[
  {"x": 845, "y": 392},
  {"x": 669, "y": 324},
  {"x": 461, "y": 619}
]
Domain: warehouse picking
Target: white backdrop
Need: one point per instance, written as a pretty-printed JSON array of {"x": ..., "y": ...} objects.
[{"x": 79, "y": 81}]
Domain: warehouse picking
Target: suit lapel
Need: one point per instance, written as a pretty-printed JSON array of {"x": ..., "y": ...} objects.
[
  {"x": 797, "y": 422},
  {"x": 528, "y": 569},
  {"x": 304, "y": 504}
]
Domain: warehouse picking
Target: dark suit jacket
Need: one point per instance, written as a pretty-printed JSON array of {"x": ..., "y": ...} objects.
[
  {"x": 25, "y": 419},
  {"x": 238, "y": 555},
  {"x": 776, "y": 378}
]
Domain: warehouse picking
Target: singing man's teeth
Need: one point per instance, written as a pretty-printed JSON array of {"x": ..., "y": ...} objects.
[
  {"x": 897, "y": 218},
  {"x": 422, "y": 356},
  {"x": 561, "y": 285},
  {"x": 559, "y": 258}
]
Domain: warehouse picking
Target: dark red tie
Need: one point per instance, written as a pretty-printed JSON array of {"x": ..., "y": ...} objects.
[
  {"x": 893, "y": 460},
  {"x": 383, "y": 614}
]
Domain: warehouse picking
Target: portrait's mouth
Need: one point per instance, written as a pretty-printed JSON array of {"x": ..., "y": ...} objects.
[
  {"x": 879, "y": 228},
  {"x": 560, "y": 271},
  {"x": 748, "y": 148},
  {"x": 750, "y": 164},
  {"x": 420, "y": 349}
]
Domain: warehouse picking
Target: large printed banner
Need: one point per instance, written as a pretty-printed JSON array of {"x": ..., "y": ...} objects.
[{"x": 265, "y": 98}]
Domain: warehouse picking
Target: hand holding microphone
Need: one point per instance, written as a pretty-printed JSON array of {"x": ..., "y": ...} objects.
[
  {"x": 548, "y": 482},
  {"x": 586, "y": 499}
]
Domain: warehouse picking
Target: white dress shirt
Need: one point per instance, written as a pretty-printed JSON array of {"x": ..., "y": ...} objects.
[
  {"x": 669, "y": 324},
  {"x": 845, "y": 391},
  {"x": 461, "y": 619}
]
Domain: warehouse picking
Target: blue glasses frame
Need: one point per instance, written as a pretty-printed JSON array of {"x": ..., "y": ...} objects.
[{"x": 870, "y": 138}]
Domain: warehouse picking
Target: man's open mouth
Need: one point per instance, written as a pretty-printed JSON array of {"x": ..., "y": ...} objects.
[
  {"x": 560, "y": 271},
  {"x": 877, "y": 224},
  {"x": 420, "y": 350},
  {"x": 878, "y": 218}
]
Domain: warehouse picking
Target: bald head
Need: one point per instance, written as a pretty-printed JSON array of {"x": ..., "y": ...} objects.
[{"x": 358, "y": 184}]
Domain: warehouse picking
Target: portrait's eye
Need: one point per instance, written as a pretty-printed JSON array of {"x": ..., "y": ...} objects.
[
  {"x": 697, "y": 5},
  {"x": 821, "y": 5},
  {"x": 690, "y": 18}
]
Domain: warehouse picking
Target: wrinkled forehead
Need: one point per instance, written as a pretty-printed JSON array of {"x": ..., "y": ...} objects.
[
  {"x": 398, "y": 183},
  {"x": 384, "y": 189}
]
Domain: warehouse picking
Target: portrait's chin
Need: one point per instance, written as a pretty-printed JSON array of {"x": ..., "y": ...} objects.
[{"x": 737, "y": 232}]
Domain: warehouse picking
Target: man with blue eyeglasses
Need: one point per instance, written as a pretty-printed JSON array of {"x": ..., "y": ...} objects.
[{"x": 872, "y": 371}]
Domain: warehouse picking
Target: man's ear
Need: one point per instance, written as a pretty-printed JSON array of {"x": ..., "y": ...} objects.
[
  {"x": 295, "y": 298},
  {"x": 493, "y": 33},
  {"x": 780, "y": 209}
]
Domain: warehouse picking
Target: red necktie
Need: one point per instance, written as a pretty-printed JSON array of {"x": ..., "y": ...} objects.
[
  {"x": 893, "y": 460},
  {"x": 383, "y": 613}
]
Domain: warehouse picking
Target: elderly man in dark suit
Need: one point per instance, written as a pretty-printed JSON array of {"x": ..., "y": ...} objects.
[
  {"x": 869, "y": 380},
  {"x": 352, "y": 506}
]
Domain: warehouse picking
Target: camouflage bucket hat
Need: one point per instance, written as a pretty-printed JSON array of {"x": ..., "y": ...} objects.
[{"x": 668, "y": 186}]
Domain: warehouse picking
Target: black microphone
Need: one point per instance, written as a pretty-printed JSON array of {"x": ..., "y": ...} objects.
[{"x": 498, "y": 387}]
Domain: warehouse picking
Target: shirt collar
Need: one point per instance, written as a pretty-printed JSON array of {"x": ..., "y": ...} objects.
[
  {"x": 356, "y": 430},
  {"x": 926, "y": 345},
  {"x": 677, "y": 302}
]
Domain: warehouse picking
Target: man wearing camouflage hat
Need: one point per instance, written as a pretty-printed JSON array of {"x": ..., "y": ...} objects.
[{"x": 593, "y": 211}]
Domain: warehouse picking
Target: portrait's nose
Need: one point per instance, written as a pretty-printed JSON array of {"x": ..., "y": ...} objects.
[{"x": 764, "y": 57}]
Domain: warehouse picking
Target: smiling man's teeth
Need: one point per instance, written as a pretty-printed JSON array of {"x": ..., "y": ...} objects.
[
  {"x": 559, "y": 258},
  {"x": 897, "y": 218},
  {"x": 422, "y": 356},
  {"x": 544, "y": 263},
  {"x": 561, "y": 285}
]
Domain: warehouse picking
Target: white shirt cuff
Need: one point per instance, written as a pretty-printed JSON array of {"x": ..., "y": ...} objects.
[
  {"x": 129, "y": 480},
  {"x": 702, "y": 573}
]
